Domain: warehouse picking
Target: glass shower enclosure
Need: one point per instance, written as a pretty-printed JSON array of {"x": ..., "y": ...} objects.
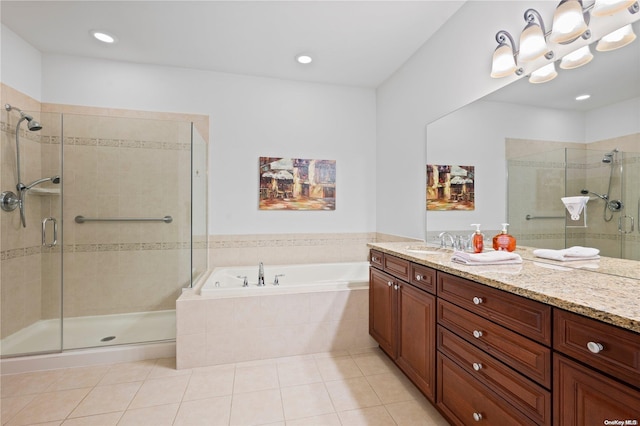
[
  {"x": 106, "y": 251},
  {"x": 537, "y": 182}
]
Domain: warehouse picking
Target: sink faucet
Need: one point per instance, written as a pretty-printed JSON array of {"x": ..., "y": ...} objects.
[
  {"x": 443, "y": 242},
  {"x": 261, "y": 275}
]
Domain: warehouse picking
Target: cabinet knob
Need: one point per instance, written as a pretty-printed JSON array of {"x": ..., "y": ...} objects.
[
  {"x": 477, "y": 417},
  {"x": 418, "y": 277},
  {"x": 389, "y": 283},
  {"x": 477, "y": 366},
  {"x": 477, "y": 334},
  {"x": 395, "y": 287},
  {"x": 477, "y": 300},
  {"x": 595, "y": 347},
  {"x": 374, "y": 259}
]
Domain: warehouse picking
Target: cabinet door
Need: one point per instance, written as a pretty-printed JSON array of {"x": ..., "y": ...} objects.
[
  {"x": 585, "y": 397},
  {"x": 381, "y": 310},
  {"x": 416, "y": 337}
]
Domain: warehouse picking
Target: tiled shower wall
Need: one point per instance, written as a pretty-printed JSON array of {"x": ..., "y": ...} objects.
[
  {"x": 537, "y": 182},
  {"x": 21, "y": 252},
  {"x": 117, "y": 163}
]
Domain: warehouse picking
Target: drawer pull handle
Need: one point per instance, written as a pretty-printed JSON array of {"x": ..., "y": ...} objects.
[
  {"x": 477, "y": 300},
  {"x": 389, "y": 283},
  {"x": 477, "y": 366},
  {"x": 595, "y": 347},
  {"x": 419, "y": 277},
  {"x": 395, "y": 287},
  {"x": 374, "y": 259},
  {"x": 477, "y": 417},
  {"x": 477, "y": 334}
]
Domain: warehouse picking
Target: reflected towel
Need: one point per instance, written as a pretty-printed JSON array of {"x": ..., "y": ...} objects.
[
  {"x": 569, "y": 254},
  {"x": 488, "y": 258}
]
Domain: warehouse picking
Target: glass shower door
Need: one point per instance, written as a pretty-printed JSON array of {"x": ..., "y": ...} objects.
[
  {"x": 31, "y": 249},
  {"x": 629, "y": 226}
]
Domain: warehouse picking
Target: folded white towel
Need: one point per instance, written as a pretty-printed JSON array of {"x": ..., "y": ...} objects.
[
  {"x": 488, "y": 258},
  {"x": 569, "y": 254}
]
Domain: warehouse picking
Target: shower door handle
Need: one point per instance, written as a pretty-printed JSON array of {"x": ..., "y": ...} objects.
[
  {"x": 44, "y": 232},
  {"x": 622, "y": 224}
]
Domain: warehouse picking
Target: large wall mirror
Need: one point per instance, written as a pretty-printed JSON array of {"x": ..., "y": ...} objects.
[{"x": 532, "y": 144}]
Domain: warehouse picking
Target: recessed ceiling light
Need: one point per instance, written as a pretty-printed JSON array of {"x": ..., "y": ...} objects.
[
  {"x": 304, "y": 59},
  {"x": 582, "y": 97},
  {"x": 103, "y": 36}
]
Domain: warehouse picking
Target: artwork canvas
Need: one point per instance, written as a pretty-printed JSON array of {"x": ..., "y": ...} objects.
[
  {"x": 450, "y": 187},
  {"x": 297, "y": 184}
]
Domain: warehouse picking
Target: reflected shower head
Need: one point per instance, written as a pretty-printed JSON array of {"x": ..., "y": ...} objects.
[
  {"x": 608, "y": 157},
  {"x": 601, "y": 196},
  {"x": 32, "y": 124}
]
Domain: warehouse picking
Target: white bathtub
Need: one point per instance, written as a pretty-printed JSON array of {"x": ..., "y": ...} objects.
[
  {"x": 315, "y": 308},
  {"x": 228, "y": 281}
]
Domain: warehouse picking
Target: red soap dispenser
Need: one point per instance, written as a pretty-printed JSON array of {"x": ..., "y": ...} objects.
[
  {"x": 478, "y": 239},
  {"x": 504, "y": 241}
]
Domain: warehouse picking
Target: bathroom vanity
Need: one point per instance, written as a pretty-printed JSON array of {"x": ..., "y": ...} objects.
[{"x": 536, "y": 343}]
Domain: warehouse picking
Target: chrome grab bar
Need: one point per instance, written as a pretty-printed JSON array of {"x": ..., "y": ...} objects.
[
  {"x": 44, "y": 232},
  {"x": 529, "y": 217},
  {"x": 82, "y": 219},
  {"x": 622, "y": 227}
]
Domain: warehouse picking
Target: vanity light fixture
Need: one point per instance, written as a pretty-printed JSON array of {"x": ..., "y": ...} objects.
[
  {"x": 103, "y": 36},
  {"x": 611, "y": 7},
  {"x": 504, "y": 57},
  {"x": 304, "y": 59},
  {"x": 533, "y": 42},
  {"x": 569, "y": 22},
  {"x": 617, "y": 39},
  {"x": 576, "y": 58},
  {"x": 544, "y": 74}
]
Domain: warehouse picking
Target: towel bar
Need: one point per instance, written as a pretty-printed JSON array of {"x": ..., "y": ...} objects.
[
  {"x": 82, "y": 219},
  {"x": 529, "y": 217}
]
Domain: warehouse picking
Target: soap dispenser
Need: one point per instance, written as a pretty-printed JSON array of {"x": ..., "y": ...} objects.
[
  {"x": 478, "y": 239},
  {"x": 504, "y": 241}
]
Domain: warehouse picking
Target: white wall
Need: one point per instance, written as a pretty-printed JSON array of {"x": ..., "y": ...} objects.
[
  {"x": 249, "y": 117},
  {"x": 615, "y": 120},
  {"x": 20, "y": 64}
]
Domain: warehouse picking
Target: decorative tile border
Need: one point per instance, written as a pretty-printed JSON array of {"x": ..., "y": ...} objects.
[{"x": 89, "y": 248}]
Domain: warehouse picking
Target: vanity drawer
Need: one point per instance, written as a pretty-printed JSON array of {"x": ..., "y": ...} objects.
[
  {"x": 423, "y": 278},
  {"x": 525, "y": 316},
  {"x": 618, "y": 353},
  {"x": 375, "y": 258},
  {"x": 396, "y": 267},
  {"x": 466, "y": 401},
  {"x": 529, "y": 397},
  {"x": 524, "y": 355}
]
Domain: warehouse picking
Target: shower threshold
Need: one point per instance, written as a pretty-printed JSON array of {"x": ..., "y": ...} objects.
[{"x": 92, "y": 332}]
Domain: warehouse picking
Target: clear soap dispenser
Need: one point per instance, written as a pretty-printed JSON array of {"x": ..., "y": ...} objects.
[
  {"x": 478, "y": 239},
  {"x": 504, "y": 241}
]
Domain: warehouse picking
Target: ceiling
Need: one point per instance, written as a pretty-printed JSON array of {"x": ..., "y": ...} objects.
[{"x": 355, "y": 43}]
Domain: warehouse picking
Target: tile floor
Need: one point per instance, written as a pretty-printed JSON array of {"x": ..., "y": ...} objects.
[{"x": 358, "y": 388}]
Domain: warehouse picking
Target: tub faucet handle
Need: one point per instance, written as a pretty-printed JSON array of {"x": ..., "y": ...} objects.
[
  {"x": 275, "y": 279},
  {"x": 245, "y": 282}
]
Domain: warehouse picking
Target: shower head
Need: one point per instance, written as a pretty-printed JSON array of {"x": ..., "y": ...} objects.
[
  {"x": 601, "y": 196},
  {"x": 32, "y": 124},
  {"x": 53, "y": 179},
  {"x": 608, "y": 157}
]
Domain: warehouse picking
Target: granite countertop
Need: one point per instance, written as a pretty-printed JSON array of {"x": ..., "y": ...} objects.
[{"x": 608, "y": 293}]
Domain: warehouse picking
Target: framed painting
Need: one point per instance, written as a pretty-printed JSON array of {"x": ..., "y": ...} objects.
[
  {"x": 297, "y": 184},
  {"x": 450, "y": 187}
]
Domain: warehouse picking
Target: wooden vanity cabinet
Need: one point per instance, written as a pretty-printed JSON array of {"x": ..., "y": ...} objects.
[
  {"x": 402, "y": 318},
  {"x": 493, "y": 348},
  {"x": 602, "y": 382}
]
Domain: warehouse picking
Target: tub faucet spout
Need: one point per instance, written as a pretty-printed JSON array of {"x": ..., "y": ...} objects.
[{"x": 261, "y": 275}]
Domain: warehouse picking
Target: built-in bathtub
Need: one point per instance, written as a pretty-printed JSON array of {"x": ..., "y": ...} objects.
[{"x": 314, "y": 308}]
